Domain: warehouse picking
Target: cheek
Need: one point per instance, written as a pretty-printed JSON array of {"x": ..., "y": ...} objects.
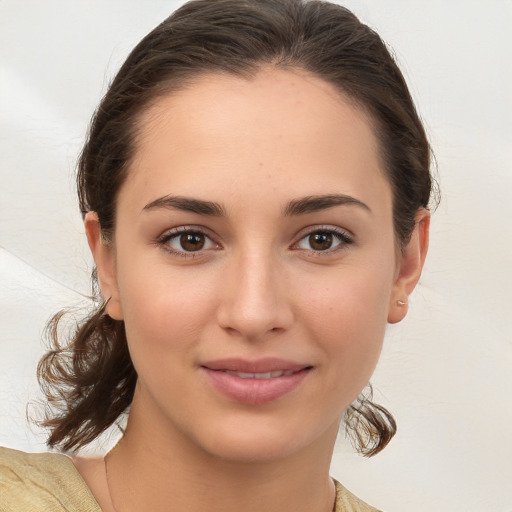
[
  {"x": 348, "y": 316},
  {"x": 162, "y": 309}
]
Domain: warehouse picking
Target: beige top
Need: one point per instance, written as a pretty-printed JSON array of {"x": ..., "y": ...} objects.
[{"x": 49, "y": 482}]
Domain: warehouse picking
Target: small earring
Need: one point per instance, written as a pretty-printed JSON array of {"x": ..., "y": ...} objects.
[
  {"x": 103, "y": 306},
  {"x": 401, "y": 303}
]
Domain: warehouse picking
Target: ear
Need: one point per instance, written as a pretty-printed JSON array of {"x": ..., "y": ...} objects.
[
  {"x": 103, "y": 255},
  {"x": 410, "y": 265}
]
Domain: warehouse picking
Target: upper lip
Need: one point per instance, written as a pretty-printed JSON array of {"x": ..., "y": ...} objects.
[{"x": 269, "y": 364}]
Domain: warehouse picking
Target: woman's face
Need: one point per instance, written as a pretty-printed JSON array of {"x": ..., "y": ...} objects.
[{"x": 253, "y": 263}]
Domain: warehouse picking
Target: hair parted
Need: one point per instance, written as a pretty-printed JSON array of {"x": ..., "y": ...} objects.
[{"x": 90, "y": 381}]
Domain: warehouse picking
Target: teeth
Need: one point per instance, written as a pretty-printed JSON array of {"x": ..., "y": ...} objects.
[{"x": 266, "y": 375}]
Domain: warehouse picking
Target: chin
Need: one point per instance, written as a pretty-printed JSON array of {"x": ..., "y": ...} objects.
[
  {"x": 266, "y": 442},
  {"x": 254, "y": 450}
]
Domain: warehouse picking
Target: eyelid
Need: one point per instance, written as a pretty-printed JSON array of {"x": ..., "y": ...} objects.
[
  {"x": 344, "y": 235},
  {"x": 171, "y": 233}
]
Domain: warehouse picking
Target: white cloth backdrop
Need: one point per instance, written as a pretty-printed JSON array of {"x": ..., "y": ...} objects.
[{"x": 446, "y": 371}]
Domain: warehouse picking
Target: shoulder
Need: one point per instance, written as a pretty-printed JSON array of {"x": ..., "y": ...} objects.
[
  {"x": 348, "y": 502},
  {"x": 31, "y": 482}
]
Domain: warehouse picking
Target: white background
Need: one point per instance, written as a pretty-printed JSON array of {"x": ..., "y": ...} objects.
[{"x": 446, "y": 371}]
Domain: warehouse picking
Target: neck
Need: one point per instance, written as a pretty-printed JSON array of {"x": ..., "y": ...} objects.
[{"x": 163, "y": 470}]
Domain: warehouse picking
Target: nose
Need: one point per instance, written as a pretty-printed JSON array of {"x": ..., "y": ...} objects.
[{"x": 255, "y": 298}]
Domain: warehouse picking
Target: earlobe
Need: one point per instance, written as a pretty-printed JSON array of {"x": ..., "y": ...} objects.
[
  {"x": 410, "y": 266},
  {"x": 103, "y": 255}
]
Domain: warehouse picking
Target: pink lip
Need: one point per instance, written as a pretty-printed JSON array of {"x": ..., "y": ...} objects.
[
  {"x": 269, "y": 364},
  {"x": 254, "y": 391}
]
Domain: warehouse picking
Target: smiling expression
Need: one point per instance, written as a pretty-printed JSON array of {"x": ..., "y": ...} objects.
[{"x": 253, "y": 262}]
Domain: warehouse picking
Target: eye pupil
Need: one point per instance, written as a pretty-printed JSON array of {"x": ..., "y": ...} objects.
[
  {"x": 320, "y": 241},
  {"x": 192, "y": 241}
]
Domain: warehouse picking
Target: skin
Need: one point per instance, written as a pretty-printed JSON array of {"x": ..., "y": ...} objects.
[{"x": 258, "y": 288}]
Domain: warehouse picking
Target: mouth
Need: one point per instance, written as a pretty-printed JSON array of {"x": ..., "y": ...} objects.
[
  {"x": 255, "y": 382},
  {"x": 263, "y": 375},
  {"x": 263, "y": 367}
]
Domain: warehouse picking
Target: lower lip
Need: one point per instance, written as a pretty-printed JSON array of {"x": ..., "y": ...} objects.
[{"x": 254, "y": 391}]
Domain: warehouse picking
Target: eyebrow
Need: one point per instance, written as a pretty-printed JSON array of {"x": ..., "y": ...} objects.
[
  {"x": 318, "y": 203},
  {"x": 187, "y": 204},
  {"x": 300, "y": 206}
]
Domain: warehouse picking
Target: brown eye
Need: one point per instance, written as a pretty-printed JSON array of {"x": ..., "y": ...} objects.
[
  {"x": 186, "y": 242},
  {"x": 325, "y": 240},
  {"x": 191, "y": 242},
  {"x": 320, "y": 241}
]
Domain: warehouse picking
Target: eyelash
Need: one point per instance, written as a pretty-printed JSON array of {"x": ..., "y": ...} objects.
[
  {"x": 341, "y": 236},
  {"x": 175, "y": 233}
]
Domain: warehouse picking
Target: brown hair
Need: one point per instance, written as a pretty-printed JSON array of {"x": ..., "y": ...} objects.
[{"x": 91, "y": 381}]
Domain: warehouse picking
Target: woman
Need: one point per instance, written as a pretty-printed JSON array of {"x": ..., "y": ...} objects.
[{"x": 255, "y": 192}]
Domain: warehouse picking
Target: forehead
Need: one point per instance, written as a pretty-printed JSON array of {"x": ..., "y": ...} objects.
[{"x": 282, "y": 130}]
